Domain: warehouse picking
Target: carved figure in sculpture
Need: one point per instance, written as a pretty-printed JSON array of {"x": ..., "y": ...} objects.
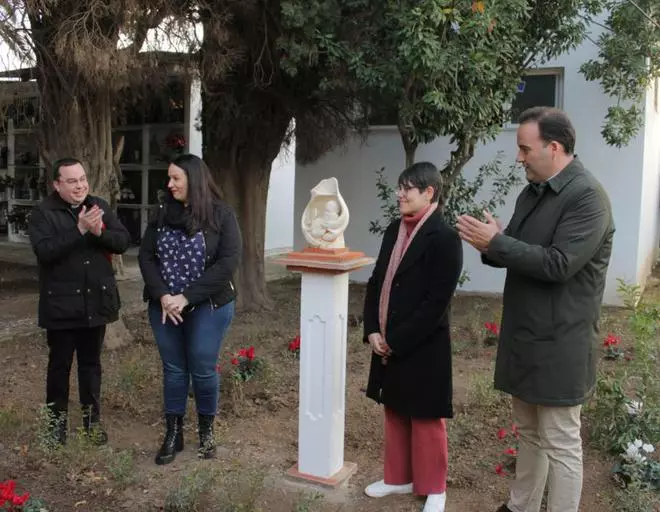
[{"x": 326, "y": 216}]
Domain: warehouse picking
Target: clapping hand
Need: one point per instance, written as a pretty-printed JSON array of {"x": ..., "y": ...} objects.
[
  {"x": 90, "y": 220},
  {"x": 478, "y": 234},
  {"x": 172, "y": 307}
]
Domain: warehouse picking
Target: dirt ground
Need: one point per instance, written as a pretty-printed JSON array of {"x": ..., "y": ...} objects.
[{"x": 257, "y": 426}]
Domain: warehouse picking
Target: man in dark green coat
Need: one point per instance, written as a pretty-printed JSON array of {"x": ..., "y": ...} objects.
[{"x": 556, "y": 250}]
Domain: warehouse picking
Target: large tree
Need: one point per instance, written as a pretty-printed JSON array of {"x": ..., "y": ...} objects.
[
  {"x": 449, "y": 68},
  {"x": 81, "y": 67},
  {"x": 253, "y": 88},
  {"x": 446, "y": 66}
]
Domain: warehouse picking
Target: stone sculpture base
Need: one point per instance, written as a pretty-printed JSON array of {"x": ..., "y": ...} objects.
[
  {"x": 334, "y": 482},
  {"x": 329, "y": 261}
]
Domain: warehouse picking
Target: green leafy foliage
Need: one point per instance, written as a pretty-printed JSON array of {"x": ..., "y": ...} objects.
[{"x": 628, "y": 63}]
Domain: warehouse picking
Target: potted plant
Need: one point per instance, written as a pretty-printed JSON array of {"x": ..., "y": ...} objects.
[
  {"x": 6, "y": 186},
  {"x": 19, "y": 219}
]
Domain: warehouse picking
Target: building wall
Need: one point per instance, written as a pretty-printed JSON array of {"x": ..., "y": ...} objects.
[
  {"x": 279, "y": 212},
  {"x": 649, "y": 225},
  {"x": 619, "y": 170}
]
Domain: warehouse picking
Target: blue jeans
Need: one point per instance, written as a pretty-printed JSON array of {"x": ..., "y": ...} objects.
[{"x": 191, "y": 349}]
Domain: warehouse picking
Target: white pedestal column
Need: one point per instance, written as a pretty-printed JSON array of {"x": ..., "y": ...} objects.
[
  {"x": 323, "y": 325},
  {"x": 322, "y": 387}
]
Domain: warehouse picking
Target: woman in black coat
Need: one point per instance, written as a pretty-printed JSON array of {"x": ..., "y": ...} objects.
[
  {"x": 406, "y": 322},
  {"x": 188, "y": 256}
]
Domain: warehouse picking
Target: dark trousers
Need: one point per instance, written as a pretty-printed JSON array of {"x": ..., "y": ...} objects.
[{"x": 86, "y": 343}]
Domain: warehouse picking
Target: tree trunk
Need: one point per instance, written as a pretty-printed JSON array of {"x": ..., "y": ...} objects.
[
  {"x": 246, "y": 190},
  {"x": 410, "y": 156},
  {"x": 459, "y": 158},
  {"x": 245, "y": 122},
  {"x": 244, "y": 183},
  {"x": 409, "y": 145}
]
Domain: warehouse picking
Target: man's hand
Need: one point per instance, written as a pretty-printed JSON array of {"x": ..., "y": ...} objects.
[
  {"x": 90, "y": 220},
  {"x": 478, "y": 234},
  {"x": 378, "y": 344}
]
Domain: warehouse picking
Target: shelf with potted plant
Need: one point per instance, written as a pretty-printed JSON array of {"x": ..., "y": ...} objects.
[
  {"x": 18, "y": 219},
  {"x": 24, "y": 183},
  {"x": 6, "y": 187}
]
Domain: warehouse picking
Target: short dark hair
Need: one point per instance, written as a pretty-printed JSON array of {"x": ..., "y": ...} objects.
[
  {"x": 421, "y": 175},
  {"x": 63, "y": 162},
  {"x": 554, "y": 125}
]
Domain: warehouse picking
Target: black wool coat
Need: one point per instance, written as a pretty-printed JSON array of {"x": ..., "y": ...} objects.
[
  {"x": 77, "y": 287},
  {"x": 417, "y": 379}
]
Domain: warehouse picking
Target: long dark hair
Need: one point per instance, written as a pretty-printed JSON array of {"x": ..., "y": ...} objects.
[{"x": 202, "y": 193}]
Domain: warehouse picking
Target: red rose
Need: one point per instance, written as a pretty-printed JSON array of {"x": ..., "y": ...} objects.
[{"x": 18, "y": 501}]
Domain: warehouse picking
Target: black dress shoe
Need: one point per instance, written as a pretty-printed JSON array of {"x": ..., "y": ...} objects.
[{"x": 504, "y": 508}]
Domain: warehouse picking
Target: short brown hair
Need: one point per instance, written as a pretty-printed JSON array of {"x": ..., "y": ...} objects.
[{"x": 554, "y": 125}]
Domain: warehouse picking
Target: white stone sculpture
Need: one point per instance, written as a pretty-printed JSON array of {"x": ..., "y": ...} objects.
[{"x": 325, "y": 217}]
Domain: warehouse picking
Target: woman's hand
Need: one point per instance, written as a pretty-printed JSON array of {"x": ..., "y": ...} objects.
[
  {"x": 171, "y": 308},
  {"x": 378, "y": 344},
  {"x": 178, "y": 302}
]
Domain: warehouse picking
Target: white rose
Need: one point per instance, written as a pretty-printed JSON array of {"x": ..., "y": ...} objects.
[{"x": 648, "y": 448}]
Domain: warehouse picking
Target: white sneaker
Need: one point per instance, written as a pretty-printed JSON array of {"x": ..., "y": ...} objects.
[
  {"x": 380, "y": 489},
  {"x": 435, "y": 503}
]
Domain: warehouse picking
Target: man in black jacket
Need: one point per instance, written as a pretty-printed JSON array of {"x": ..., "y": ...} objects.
[{"x": 73, "y": 235}]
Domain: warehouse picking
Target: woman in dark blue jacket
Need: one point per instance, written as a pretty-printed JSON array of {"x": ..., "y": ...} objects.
[{"x": 188, "y": 256}]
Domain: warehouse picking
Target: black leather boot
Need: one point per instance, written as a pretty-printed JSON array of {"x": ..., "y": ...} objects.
[
  {"x": 173, "y": 441},
  {"x": 206, "y": 438},
  {"x": 93, "y": 429}
]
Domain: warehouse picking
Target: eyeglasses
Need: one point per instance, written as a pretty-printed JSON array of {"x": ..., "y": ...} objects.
[{"x": 72, "y": 181}]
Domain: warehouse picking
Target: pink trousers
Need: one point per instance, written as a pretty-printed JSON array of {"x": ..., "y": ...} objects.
[{"x": 416, "y": 451}]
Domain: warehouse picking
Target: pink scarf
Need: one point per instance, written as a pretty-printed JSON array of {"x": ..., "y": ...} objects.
[{"x": 400, "y": 247}]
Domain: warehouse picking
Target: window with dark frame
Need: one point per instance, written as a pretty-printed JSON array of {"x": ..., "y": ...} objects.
[{"x": 534, "y": 91}]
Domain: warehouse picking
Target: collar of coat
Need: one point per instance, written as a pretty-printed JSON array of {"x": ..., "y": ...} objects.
[
  {"x": 417, "y": 247},
  {"x": 568, "y": 174}
]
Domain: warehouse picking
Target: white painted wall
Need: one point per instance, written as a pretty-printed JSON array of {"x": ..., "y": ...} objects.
[
  {"x": 279, "y": 209},
  {"x": 619, "y": 170},
  {"x": 649, "y": 225},
  {"x": 279, "y": 212}
]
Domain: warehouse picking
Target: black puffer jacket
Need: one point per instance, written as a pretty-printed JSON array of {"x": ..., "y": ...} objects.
[
  {"x": 77, "y": 286},
  {"x": 223, "y": 253}
]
